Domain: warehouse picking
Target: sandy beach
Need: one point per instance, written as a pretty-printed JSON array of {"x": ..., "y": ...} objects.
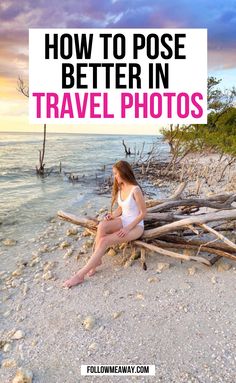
[
  {"x": 131, "y": 102},
  {"x": 177, "y": 315}
]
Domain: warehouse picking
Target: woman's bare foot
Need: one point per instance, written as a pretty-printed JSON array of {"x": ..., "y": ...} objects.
[
  {"x": 93, "y": 270},
  {"x": 73, "y": 281}
]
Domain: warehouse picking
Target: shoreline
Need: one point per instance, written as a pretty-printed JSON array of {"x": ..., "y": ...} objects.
[{"x": 176, "y": 314}]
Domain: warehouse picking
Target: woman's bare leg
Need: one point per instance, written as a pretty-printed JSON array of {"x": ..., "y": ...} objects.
[
  {"x": 104, "y": 228},
  {"x": 104, "y": 243},
  {"x": 107, "y": 227}
]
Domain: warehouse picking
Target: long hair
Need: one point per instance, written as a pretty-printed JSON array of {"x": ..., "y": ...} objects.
[{"x": 127, "y": 174}]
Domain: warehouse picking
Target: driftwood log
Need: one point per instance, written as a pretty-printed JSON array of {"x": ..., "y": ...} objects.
[{"x": 177, "y": 227}]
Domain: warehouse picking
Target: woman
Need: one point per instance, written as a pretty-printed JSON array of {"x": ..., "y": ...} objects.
[{"x": 123, "y": 225}]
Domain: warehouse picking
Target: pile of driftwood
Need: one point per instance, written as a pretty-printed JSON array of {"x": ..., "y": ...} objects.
[{"x": 177, "y": 227}]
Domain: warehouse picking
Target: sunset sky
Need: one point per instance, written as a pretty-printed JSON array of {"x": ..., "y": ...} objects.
[{"x": 16, "y": 17}]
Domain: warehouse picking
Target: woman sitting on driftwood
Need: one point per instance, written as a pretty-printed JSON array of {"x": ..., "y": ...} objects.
[{"x": 123, "y": 225}]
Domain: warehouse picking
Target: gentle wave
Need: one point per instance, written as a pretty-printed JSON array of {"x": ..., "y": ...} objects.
[{"x": 28, "y": 200}]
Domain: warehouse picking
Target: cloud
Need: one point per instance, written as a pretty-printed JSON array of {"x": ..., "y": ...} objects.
[
  {"x": 13, "y": 108},
  {"x": 16, "y": 17},
  {"x": 219, "y": 61},
  {"x": 14, "y": 54}
]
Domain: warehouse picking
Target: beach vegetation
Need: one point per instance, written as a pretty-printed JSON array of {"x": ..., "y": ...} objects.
[{"x": 217, "y": 136}]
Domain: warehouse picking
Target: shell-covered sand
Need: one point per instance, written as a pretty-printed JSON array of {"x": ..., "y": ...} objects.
[{"x": 179, "y": 316}]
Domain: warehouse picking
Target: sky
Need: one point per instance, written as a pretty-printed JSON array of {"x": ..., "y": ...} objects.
[{"x": 16, "y": 17}]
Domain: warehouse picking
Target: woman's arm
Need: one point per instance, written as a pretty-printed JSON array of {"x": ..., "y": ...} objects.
[
  {"x": 117, "y": 212},
  {"x": 139, "y": 198},
  {"x": 114, "y": 215}
]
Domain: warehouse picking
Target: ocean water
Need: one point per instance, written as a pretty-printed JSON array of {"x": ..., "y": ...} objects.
[{"x": 28, "y": 201}]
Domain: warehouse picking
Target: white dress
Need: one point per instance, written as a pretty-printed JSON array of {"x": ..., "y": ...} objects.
[{"x": 130, "y": 208}]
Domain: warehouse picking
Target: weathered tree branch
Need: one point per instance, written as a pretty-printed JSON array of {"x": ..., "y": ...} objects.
[
  {"x": 159, "y": 237},
  {"x": 172, "y": 254},
  {"x": 198, "y": 219},
  {"x": 198, "y": 202},
  {"x": 218, "y": 235}
]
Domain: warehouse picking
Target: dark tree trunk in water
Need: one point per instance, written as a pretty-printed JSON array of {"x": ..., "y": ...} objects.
[
  {"x": 40, "y": 169},
  {"x": 127, "y": 150},
  {"x": 24, "y": 89}
]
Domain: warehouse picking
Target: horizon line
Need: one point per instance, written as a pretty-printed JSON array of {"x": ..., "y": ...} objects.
[{"x": 82, "y": 133}]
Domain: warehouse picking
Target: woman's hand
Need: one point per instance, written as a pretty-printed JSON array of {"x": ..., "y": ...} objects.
[
  {"x": 108, "y": 217},
  {"x": 123, "y": 232}
]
